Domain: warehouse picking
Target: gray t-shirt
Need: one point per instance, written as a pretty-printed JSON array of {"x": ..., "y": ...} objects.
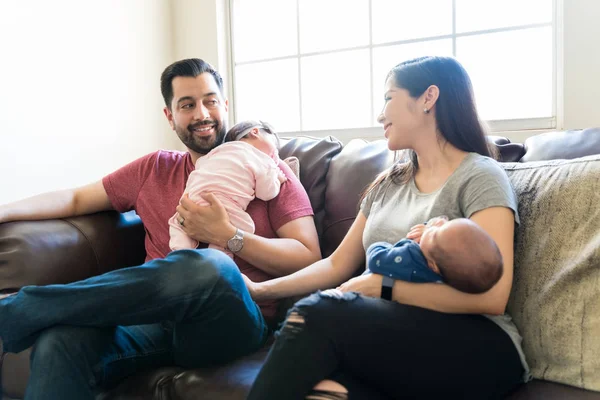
[{"x": 478, "y": 183}]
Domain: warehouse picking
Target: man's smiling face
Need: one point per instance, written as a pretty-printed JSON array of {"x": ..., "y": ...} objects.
[{"x": 198, "y": 113}]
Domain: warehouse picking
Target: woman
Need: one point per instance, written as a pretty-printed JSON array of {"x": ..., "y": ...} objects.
[{"x": 430, "y": 341}]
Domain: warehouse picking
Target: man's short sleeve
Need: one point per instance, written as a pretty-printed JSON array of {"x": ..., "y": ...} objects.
[
  {"x": 123, "y": 185},
  {"x": 291, "y": 203}
]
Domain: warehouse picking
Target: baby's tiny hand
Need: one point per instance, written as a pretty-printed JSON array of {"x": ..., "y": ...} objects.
[
  {"x": 437, "y": 221},
  {"x": 281, "y": 176},
  {"x": 416, "y": 232}
]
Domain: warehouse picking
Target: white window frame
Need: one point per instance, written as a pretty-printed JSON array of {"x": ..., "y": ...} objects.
[{"x": 516, "y": 128}]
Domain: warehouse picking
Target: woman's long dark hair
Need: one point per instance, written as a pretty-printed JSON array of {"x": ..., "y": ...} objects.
[{"x": 455, "y": 112}]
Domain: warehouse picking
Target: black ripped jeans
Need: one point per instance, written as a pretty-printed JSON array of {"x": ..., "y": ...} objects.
[{"x": 380, "y": 349}]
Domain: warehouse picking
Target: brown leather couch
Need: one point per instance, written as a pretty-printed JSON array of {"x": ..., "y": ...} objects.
[{"x": 60, "y": 251}]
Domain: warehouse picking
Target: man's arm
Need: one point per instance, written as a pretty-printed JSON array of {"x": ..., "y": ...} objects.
[
  {"x": 296, "y": 247},
  {"x": 60, "y": 204}
]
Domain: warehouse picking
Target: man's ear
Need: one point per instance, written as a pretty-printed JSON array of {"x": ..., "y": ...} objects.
[
  {"x": 169, "y": 116},
  {"x": 226, "y": 105},
  {"x": 432, "y": 93}
]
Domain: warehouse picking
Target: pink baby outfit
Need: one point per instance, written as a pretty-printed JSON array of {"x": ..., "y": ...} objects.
[{"x": 236, "y": 173}]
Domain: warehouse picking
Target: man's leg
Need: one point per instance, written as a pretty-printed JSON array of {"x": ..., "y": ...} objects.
[
  {"x": 229, "y": 327},
  {"x": 70, "y": 362},
  {"x": 184, "y": 288}
]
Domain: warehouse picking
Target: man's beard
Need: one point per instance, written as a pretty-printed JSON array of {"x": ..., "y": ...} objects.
[{"x": 201, "y": 144}]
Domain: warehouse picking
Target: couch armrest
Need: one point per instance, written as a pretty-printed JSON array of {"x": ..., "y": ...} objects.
[{"x": 67, "y": 250}]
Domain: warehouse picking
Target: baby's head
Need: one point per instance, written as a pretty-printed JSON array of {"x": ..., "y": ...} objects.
[
  {"x": 256, "y": 133},
  {"x": 463, "y": 253}
]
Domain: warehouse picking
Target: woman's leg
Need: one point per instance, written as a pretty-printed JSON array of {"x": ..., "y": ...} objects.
[{"x": 400, "y": 351}]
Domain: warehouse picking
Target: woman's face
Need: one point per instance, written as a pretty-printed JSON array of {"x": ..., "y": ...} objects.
[{"x": 400, "y": 117}]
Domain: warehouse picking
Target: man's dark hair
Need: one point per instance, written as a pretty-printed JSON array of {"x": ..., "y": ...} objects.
[{"x": 191, "y": 67}]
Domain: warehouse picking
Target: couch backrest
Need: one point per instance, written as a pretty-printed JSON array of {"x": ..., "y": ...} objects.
[{"x": 315, "y": 155}]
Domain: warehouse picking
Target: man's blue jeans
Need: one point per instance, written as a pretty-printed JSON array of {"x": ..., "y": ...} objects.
[{"x": 190, "y": 309}]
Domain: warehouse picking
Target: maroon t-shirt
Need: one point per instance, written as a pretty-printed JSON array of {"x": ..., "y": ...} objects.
[{"x": 152, "y": 186}]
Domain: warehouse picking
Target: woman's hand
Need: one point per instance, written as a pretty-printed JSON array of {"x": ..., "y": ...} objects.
[
  {"x": 253, "y": 288},
  {"x": 367, "y": 285},
  {"x": 206, "y": 224}
]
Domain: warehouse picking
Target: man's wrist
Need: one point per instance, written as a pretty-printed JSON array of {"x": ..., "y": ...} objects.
[{"x": 229, "y": 233}]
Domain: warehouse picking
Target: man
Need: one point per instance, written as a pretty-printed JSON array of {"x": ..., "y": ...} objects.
[{"x": 188, "y": 308}]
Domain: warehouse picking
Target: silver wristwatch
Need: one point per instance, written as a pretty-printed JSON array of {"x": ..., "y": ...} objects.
[{"x": 236, "y": 243}]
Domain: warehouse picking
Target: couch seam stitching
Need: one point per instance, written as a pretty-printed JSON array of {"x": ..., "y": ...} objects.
[{"x": 88, "y": 240}]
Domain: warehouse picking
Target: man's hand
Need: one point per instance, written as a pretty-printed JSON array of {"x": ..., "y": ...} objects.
[
  {"x": 207, "y": 224},
  {"x": 367, "y": 285}
]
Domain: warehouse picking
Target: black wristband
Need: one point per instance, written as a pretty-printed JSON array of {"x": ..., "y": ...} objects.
[{"x": 386, "y": 288}]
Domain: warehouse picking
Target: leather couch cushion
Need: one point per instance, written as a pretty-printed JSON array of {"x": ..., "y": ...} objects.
[
  {"x": 562, "y": 145},
  {"x": 314, "y": 155},
  {"x": 77, "y": 248},
  {"x": 350, "y": 173},
  {"x": 555, "y": 301},
  {"x": 540, "y": 390}
]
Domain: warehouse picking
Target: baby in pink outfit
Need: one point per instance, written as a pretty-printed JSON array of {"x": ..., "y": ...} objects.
[{"x": 236, "y": 172}]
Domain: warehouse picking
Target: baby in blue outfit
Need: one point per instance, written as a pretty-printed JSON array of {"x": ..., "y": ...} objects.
[{"x": 458, "y": 253}]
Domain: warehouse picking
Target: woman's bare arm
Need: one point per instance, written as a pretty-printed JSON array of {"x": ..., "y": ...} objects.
[{"x": 323, "y": 274}]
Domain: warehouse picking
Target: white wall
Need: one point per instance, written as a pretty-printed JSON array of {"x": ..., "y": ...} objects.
[
  {"x": 80, "y": 81},
  {"x": 581, "y": 63},
  {"x": 80, "y": 90},
  {"x": 200, "y": 30}
]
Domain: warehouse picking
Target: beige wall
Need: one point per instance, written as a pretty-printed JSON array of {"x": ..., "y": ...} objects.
[{"x": 80, "y": 90}]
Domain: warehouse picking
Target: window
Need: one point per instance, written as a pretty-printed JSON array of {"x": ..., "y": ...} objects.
[{"x": 310, "y": 65}]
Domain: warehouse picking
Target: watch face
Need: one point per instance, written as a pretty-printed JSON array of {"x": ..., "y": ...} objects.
[{"x": 235, "y": 244}]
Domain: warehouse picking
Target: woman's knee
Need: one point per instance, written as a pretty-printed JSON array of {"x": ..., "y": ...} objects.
[{"x": 318, "y": 310}]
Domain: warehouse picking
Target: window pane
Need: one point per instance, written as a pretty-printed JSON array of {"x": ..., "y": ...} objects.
[
  {"x": 318, "y": 32},
  {"x": 473, "y": 15},
  {"x": 385, "y": 58},
  {"x": 336, "y": 90},
  {"x": 395, "y": 20},
  {"x": 511, "y": 72},
  {"x": 264, "y": 29},
  {"x": 269, "y": 91}
]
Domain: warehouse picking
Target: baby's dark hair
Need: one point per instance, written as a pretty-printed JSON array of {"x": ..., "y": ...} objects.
[
  {"x": 471, "y": 261},
  {"x": 246, "y": 126}
]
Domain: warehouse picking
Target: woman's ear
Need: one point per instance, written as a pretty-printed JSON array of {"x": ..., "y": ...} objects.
[{"x": 432, "y": 93}]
